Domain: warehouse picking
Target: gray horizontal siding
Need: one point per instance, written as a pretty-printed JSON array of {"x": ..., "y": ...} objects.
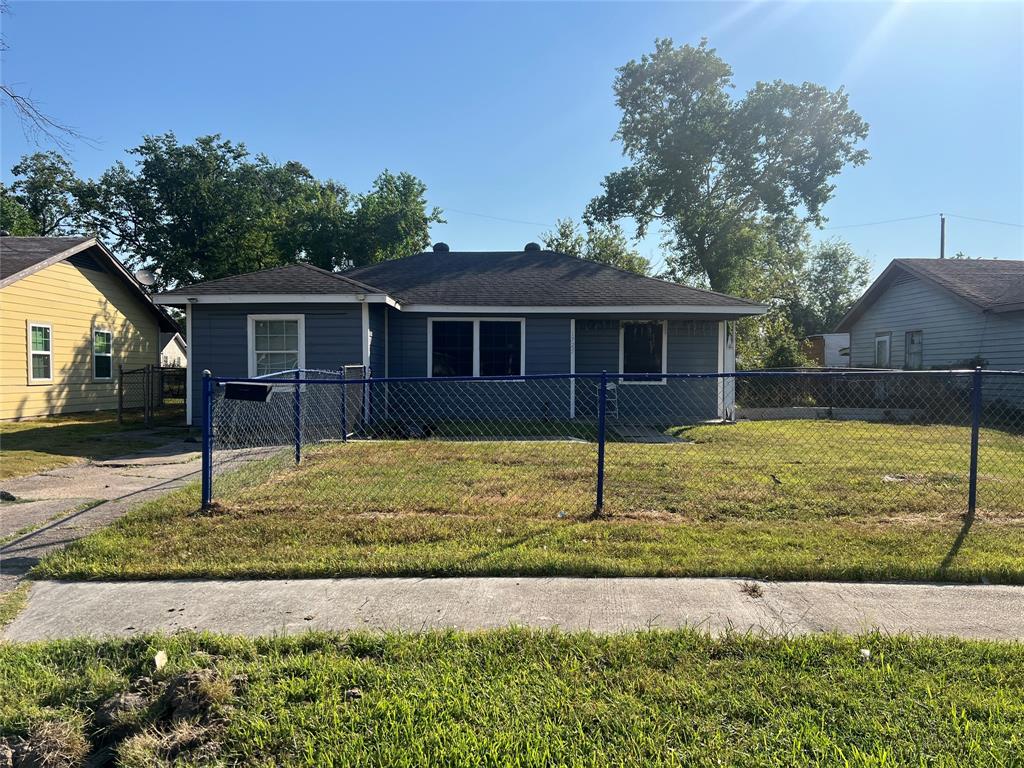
[{"x": 952, "y": 330}]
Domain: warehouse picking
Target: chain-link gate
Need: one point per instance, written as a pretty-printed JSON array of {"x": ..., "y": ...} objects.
[{"x": 151, "y": 395}]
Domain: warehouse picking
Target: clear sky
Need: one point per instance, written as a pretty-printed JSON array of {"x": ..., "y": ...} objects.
[{"x": 506, "y": 110}]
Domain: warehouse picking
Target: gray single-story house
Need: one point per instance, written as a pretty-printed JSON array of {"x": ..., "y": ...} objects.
[
  {"x": 940, "y": 313},
  {"x": 443, "y": 313}
]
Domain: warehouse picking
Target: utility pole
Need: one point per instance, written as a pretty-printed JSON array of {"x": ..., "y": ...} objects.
[{"x": 942, "y": 235}]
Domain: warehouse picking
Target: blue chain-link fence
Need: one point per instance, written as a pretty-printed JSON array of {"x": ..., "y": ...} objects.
[{"x": 904, "y": 444}]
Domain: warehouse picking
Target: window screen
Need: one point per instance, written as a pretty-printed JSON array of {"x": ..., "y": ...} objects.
[
  {"x": 276, "y": 344},
  {"x": 882, "y": 351},
  {"x": 642, "y": 345},
  {"x": 102, "y": 354},
  {"x": 913, "y": 357},
  {"x": 40, "y": 352},
  {"x": 451, "y": 348},
  {"x": 501, "y": 347}
]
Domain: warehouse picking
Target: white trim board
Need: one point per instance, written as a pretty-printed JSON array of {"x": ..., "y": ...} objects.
[
  {"x": 645, "y": 309},
  {"x": 476, "y": 340},
  {"x": 278, "y": 298},
  {"x": 188, "y": 365}
]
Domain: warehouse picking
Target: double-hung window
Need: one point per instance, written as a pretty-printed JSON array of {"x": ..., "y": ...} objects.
[
  {"x": 102, "y": 354},
  {"x": 276, "y": 343},
  {"x": 643, "y": 348},
  {"x": 40, "y": 353},
  {"x": 913, "y": 352},
  {"x": 476, "y": 347}
]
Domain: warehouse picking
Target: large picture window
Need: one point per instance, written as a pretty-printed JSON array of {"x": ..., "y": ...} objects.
[
  {"x": 276, "y": 343},
  {"x": 102, "y": 354},
  {"x": 643, "y": 349},
  {"x": 40, "y": 353},
  {"x": 475, "y": 347}
]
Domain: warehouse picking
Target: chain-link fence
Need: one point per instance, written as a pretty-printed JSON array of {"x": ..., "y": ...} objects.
[
  {"x": 151, "y": 395},
  {"x": 755, "y": 444}
]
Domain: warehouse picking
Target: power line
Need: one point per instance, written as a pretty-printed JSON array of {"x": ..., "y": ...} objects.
[
  {"x": 986, "y": 221},
  {"x": 884, "y": 221},
  {"x": 496, "y": 218}
]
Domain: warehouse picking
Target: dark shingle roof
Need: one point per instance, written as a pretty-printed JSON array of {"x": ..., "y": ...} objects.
[
  {"x": 292, "y": 278},
  {"x": 20, "y": 253},
  {"x": 526, "y": 278},
  {"x": 989, "y": 283}
]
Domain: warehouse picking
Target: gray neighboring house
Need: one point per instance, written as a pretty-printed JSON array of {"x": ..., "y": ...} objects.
[
  {"x": 443, "y": 313},
  {"x": 939, "y": 313}
]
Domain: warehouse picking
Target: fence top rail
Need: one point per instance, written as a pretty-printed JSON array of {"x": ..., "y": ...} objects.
[{"x": 611, "y": 376}]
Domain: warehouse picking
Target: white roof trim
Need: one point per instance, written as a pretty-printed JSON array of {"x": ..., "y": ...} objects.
[
  {"x": 647, "y": 309},
  {"x": 276, "y": 298}
]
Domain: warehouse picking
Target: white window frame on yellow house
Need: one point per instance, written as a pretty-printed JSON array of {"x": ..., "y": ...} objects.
[
  {"x": 29, "y": 325},
  {"x": 102, "y": 329}
]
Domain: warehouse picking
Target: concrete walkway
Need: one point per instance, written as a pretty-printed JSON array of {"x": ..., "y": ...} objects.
[
  {"x": 62, "y": 505},
  {"x": 99, "y": 609}
]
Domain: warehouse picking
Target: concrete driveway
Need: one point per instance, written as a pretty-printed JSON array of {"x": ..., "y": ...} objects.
[{"x": 57, "y": 507}]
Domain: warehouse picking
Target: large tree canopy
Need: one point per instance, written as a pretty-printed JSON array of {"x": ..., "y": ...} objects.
[
  {"x": 603, "y": 243},
  {"x": 46, "y": 187},
  {"x": 210, "y": 209},
  {"x": 705, "y": 166}
]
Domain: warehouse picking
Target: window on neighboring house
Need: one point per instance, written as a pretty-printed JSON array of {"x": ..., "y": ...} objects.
[
  {"x": 476, "y": 347},
  {"x": 882, "y": 345},
  {"x": 913, "y": 353},
  {"x": 276, "y": 343},
  {"x": 643, "y": 348},
  {"x": 40, "y": 353},
  {"x": 102, "y": 354}
]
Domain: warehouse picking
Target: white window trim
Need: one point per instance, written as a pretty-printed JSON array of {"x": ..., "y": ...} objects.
[
  {"x": 49, "y": 353},
  {"x": 102, "y": 329},
  {"x": 251, "y": 338},
  {"x": 622, "y": 353},
  {"x": 887, "y": 338},
  {"x": 476, "y": 340}
]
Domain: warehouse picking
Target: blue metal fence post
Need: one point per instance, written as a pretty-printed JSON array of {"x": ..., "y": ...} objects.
[
  {"x": 602, "y": 400},
  {"x": 297, "y": 416},
  {"x": 207, "y": 466},
  {"x": 344, "y": 405},
  {"x": 972, "y": 492}
]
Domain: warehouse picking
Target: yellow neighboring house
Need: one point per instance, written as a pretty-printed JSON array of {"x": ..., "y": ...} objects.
[{"x": 70, "y": 314}]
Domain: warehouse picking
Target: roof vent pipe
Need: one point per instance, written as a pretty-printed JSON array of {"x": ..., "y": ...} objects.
[
  {"x": 441, "y": 248},
  {"x": 531, "y": 247}
]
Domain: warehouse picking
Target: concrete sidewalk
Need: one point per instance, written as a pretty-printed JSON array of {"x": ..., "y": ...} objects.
[{"x": 265, "y": 607}]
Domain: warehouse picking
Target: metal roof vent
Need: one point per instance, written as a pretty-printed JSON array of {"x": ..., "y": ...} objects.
[
  {"x": 531, "y": 247},
  {"x": 440, "y": 248}
]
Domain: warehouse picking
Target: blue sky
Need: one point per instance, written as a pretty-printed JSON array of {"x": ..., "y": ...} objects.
[{"x": 506, "y": 110}]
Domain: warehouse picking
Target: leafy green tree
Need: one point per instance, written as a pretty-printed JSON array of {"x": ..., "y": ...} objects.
[
  {"x": 46, "y": 186},
  {"x": 603, "y": 243},
  {"x": 210, "y": 209},
  {"x": 833, "y": 280},
  {"x": 704, "y": 166},
  {"x": 14, "y": 219}
]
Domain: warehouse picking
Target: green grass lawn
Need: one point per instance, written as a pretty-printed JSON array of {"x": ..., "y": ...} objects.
[
  {"x": 852, "y": 501},
  {"x": 519, "y": 698},
  {"x": 36, "y": 445}
]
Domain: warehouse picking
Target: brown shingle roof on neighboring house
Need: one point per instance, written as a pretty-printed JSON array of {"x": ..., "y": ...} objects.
[{"x": 21, "y": 254}]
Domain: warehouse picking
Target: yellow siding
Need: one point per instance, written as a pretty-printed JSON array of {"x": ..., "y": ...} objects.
[{"x": 71, "y": 300}]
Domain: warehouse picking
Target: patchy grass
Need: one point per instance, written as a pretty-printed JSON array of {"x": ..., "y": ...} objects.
[
  {"x": 36, "y": 445},
  {"x": 524, "y": 698},
  {"x": 12, "y": 602},
  {"x": 791, "y": 500}
]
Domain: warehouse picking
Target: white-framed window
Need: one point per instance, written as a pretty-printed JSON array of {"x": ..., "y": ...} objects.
[
  {"x": 40, "y": 353},
  {"x": 643, "y": 348},
  {"x": 473, "y": 346},
  {"x": 276, "y": 343},
  {"x": 883, "y": 345},
  {"x": 102, "y": 354}
]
